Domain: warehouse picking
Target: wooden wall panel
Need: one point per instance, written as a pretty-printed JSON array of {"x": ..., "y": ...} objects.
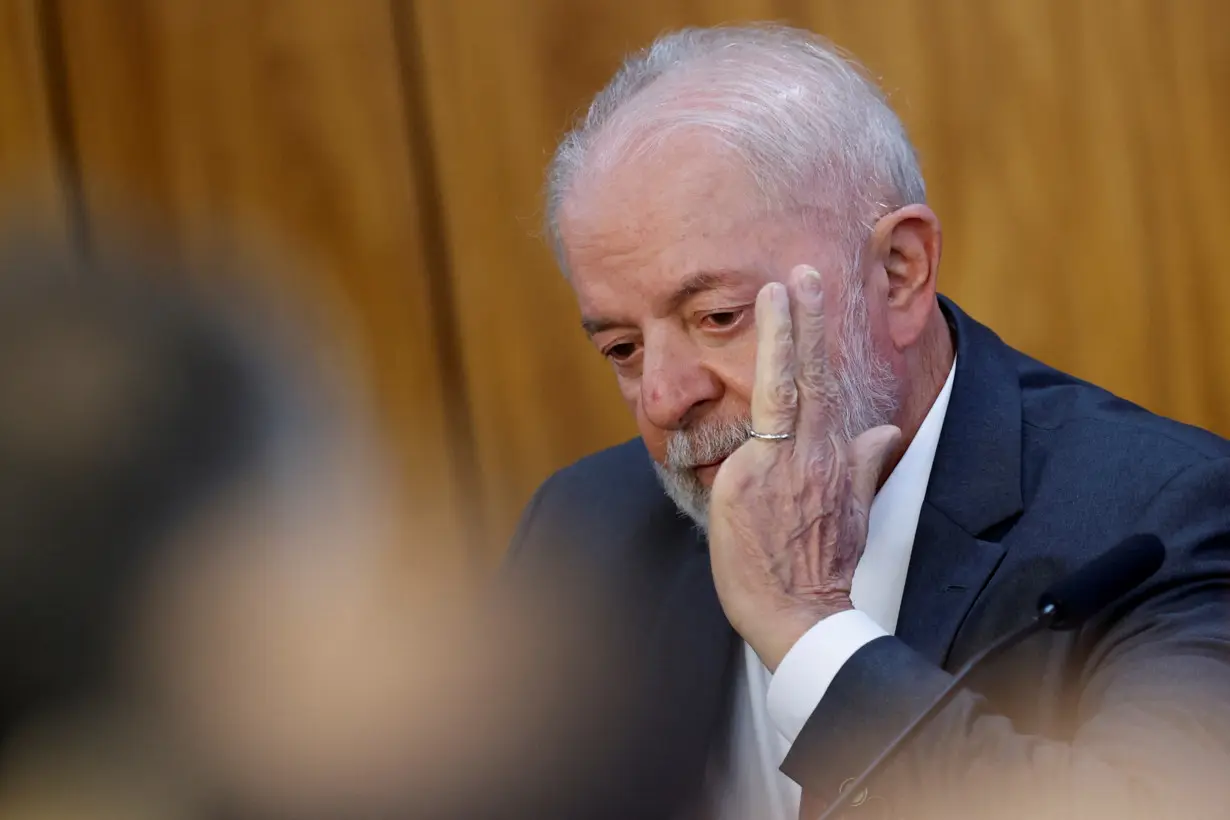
[
  {"x": 281, "y": 121},
  {"x": 1074, "y": 157},
  {"x": 1074, "y": 150},
  {"x": 29, "y": 182}
]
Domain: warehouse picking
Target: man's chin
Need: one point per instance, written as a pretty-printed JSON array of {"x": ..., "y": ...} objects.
[{"x": 690, "y": 495}]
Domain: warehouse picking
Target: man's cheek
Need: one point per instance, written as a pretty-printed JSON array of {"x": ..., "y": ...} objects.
[
  {"x": 631, "y": 392},
  {"x": 737, "y": 369},
  {"x": 655, "y": 438}
]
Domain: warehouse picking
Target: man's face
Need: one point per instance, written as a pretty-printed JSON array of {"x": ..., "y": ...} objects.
[{"x": 666, "y": 256}]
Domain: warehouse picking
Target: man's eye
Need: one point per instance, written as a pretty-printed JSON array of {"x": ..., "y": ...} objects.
[
  {"x": 620, "y": 352},
  {"x": 722, "y": 319}
]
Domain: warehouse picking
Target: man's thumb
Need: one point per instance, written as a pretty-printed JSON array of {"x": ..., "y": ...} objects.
[{"x": 869, "y": 454}]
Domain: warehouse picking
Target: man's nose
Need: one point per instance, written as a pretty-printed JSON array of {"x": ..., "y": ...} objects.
[{"x": 675, "y": 386}]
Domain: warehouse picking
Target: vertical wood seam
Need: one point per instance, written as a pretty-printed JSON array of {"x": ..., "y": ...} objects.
[
  {"x": 65, "y": 146},
  {"x": 445, "y": 329}
]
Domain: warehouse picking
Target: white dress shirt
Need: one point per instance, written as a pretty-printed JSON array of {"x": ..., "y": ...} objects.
[{"x": 770, "y": 710}]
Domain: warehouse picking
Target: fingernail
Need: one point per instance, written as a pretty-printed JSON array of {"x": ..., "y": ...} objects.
[
  {"x": 810, "y": 284},
  {"x": 778, "y": 297}
]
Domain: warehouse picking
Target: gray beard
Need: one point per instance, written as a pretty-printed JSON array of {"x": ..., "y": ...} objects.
[
  {"x": 702, "y": 443},
  {"x": 867, "y": 390}
]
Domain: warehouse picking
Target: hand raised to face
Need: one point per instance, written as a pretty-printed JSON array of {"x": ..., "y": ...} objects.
[{"x": 788, "y": 516}]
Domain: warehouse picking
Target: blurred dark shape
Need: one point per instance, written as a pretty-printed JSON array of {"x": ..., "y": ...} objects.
[
  {"x": 127, "y": 406},
  {"x": 135, "y": 398},
  {"x": 197, "y": 616}
]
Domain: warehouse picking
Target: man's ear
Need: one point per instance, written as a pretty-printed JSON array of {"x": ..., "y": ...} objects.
[{"x": 909, "y": 242}]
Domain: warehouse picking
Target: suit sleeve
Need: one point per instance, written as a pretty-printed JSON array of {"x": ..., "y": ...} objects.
[
  {"x": 525, "y": 526},
  {"x": 1148, "y": 734},
  {"x": 577, "y": 656}
]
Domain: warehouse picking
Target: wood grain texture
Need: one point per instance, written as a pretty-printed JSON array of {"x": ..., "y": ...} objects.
[
  {"x": 280, "y": 122},
  {"x": 30, "y": 186},
  {"x": 1074, "y": 150},
  {"x": 1073, "y": 157}
]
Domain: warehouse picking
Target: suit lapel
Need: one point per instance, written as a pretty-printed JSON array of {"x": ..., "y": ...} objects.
[
  {"x": 948, "y": 570},
  {"x": 974, "y": 491},
  {"x": 976, "y": 476}
]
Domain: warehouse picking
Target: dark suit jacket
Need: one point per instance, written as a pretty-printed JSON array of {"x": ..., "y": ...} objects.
[{"x": 1035, "y": 473}]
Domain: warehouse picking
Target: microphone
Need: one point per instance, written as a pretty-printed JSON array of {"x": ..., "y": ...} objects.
[{"x": 1065, "y": 606}]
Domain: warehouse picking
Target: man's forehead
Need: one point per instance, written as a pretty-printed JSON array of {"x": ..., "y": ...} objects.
[
  {"x": 667, "y": 223},
  {"x": 681, "y": 180},
  {"x": 689, "y": 255}
]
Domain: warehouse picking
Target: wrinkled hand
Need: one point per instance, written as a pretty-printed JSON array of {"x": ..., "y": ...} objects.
[{"x": 788, "y": 519}]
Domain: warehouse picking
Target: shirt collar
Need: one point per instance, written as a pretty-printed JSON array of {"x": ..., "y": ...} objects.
[
  {"x": 893, "y": 521},
  {"x": 907, "y": 485}
]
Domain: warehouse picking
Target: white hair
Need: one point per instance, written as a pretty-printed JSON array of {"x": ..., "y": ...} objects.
[{"x": 815, "y": 134}]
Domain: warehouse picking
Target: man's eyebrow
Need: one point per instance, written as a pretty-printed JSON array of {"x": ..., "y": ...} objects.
[
  {"x": 593, "y": 327},
  {"x": 705, "y": 280},
  {"x": 694, "y": 284}
]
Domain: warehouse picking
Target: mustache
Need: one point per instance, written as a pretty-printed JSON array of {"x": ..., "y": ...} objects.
[{"x": 706, "y": 443}]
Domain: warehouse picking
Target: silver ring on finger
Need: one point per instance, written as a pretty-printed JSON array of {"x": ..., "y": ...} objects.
[{"x": 771, "y": 436}]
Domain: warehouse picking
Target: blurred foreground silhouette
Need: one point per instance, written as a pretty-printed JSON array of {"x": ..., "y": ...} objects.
[{"x": 198, "y": 613}]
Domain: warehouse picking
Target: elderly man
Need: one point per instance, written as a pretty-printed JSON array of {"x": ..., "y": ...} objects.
[{"x": 873, "y": 486}]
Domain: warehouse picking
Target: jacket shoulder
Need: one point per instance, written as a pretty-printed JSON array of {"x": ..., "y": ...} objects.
[
  {"x": 1094, "y": 462},
  {"x": 609, "y": 499},
  {"x": 1080, "y": 416}
]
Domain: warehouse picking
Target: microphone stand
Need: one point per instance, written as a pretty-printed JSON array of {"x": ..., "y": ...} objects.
[{"x": 1042, "y": 621}]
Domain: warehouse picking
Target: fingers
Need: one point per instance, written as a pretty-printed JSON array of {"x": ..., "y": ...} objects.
[
  {"x": 868, "y": 456},
  {"x": 819, "y": 395},
  {"x": 774, "y": 394}
]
